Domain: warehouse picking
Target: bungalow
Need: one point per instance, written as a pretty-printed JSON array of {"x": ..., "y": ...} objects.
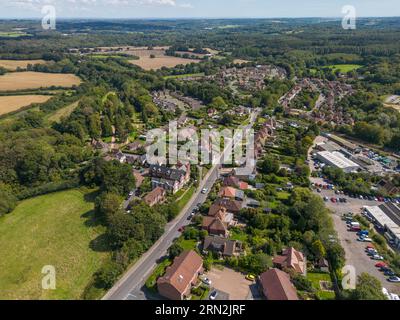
[
  {"x": 222, "y": 246},
  {"x": 276, "y": 285},
  {"x": 170, "y": 179},
  {"x": 179, "y": 278},
  {"x": 154, "y": 197},
  {"x": 291, "y": 259}
]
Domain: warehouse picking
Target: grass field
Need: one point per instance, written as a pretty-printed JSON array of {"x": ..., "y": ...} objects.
[
  {"x": 188, "y": 75},
  {"x": 55, "y": 229},
  {"x": 13, "y": 34},
  {"x": 12, "y": 65},
  {"x": 13, "y": 103},
  {"x": 148, "y": 63},
  {"x": 344, "y": 68},
  {"x": 63, "y": 112},
  {"x": 36, "y": 80}
]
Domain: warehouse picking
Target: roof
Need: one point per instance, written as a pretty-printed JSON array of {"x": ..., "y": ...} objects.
[
  {"x": 214, "y": 224},
  {"x": 166, "y": 173},
  {"x": 138, "y": 178},
  {"x": 215, "y": 243},
  {"x": 228, "y": 192},
  {"x": 153, "y": 195},
  {"x": 216, "y": 209},
  {"x": 181, "y": 272},
  {"x": 231, "y": 181},
  {"x": 277, "y": 286},
  {"x": 230, "y": 205},
  {"x": 291, "y": 258},
  {"x": 337, "y": 159}
]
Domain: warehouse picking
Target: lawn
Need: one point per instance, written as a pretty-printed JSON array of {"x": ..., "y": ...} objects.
[
  {"x": 159, "y": 271},
  {"x": 181, "y": 203},
  {"x": 55, "y": 229},
  {"x": 344, "y": 68},
  {"x": 187, "y": 244},
  {"x": 315, "y": 278}
]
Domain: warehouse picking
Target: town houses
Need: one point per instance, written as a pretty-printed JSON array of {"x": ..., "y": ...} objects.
[{"x": 171, "y": 179}]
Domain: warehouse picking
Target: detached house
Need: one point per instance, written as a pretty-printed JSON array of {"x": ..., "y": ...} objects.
[
  {"x": 276, "y": 285},
  {"x": 155, "y": 197},
  {"x": 291, "y": 259},
  {"x": 232, "y": 193},
  {"x": 222, "y": 246},
  {"x": 215, "y": 226},
  {"x": 171, "y": 179},
  {"x": 232, "y": 206},
  {"x": 179, "y": 278}
]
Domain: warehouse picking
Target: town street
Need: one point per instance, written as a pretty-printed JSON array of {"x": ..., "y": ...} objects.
[{"x": 130, "y": 285}]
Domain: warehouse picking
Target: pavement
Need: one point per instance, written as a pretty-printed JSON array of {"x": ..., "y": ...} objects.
[{"x": 131, "y": 285}]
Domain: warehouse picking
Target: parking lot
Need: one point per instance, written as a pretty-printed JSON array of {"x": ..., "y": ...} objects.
[
  {"x": 355, "y": 250},
  {"x": 229, "y": 282}
]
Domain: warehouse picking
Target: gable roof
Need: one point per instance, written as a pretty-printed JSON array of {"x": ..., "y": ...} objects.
[
  {"x": 181, "y": 272},
  {"x": 214, "y": 225},
  {"x": 233, "y": 206},
  {"x": 277, "y": 286},
  {"x": 166, "y": 173},
  {"x": 216, "y": 210},
  {"x": 291, "y": 258}
]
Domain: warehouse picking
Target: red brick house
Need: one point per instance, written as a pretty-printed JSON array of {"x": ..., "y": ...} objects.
[
  {"x": 179, "y": 278},
  {"x": 215, "y": 226},
  {"x": 155, "y": 197},
  {"x": 276, "y": 285}
]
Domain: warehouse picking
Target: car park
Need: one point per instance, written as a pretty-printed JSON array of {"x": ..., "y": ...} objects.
[
  {"x": 377, "y": 257},
  {"x": 206, "y": 281}
]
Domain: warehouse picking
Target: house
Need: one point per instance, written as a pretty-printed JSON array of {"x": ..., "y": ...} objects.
[
  {"x": 232, "y": 206},
  {"x": 235, "y": 182},
  {"x": 139, "y": 178},
  {"x": 322, "y": 264},
  {"x": 215, "y": 226},
  {"x": 179, "y": 278},
  {"x": 222, "y": 246},
  {"x": 135, "y": 146},
  {"x": 171, "y": 179},
  {"x": 154, "y": 197},
  {"x": 291, "y": 259},
  {"x": 229, "y": 192},
  {"x": 276, "y": 285}
]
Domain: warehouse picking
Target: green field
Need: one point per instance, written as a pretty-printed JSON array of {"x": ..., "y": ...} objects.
[
  {"x": 344, "y": 68},
  {"x": 13, "y": 34},
  {"x": 180, "y": 76},
  {"x": 55, "y": 229}
]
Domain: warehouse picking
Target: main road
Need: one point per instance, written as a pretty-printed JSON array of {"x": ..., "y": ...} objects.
[{"x": 129, "y": 287}]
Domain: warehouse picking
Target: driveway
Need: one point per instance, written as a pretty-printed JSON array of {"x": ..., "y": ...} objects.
[{"x": 231, "y": 282}]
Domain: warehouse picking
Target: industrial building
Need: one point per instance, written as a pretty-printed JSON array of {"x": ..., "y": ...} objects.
[
  {"x": 387, "y": 218},
  {"x": 337, "y": 160}
]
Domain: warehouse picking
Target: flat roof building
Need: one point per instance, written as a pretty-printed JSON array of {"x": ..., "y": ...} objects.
[
  {"x": 337, "y": 160},
  {"x": 387, "y": 217}
]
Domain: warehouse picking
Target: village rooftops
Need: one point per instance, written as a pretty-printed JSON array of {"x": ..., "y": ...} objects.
[
  {"x": 155, "y": 196},
  {"x": 233, "y": 206},
  {"x": 164, "y": 172},
  {"x": 291, "y": 259}
]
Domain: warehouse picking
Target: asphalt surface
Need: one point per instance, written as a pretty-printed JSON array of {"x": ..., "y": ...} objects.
[{"x": 131, "y": 285}]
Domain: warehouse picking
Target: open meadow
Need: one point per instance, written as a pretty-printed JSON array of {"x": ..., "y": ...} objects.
[
  {"x": 12, "y": 65},
  {"x": 148, "y": 63},
  {"x": 56, "y": 229},
  {"x": 13, "y": 103},
  {"x": 36, "y": 80}
]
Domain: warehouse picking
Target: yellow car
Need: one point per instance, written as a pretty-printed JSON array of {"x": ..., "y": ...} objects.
[{"x": 251, "y": 277}]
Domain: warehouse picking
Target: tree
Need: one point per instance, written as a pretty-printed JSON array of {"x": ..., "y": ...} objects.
[
  {"x": 336, "y": 256},
  {"x": 318, "y": 249},
  {"x": 269, "y": 165},
  {"x": 108, "y": 274},
  {"x": 106, "y": 127},
  {"x": 175, "y": 250},
  {"x": 94, "y": 126},
  {"x": 7, "y": 201},
  {"x": 368, "y": 288}
]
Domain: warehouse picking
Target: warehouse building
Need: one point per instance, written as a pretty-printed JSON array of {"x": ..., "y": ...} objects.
[
  {"x": 387, "y": 218},
  {"x": 337, "y": 160}
]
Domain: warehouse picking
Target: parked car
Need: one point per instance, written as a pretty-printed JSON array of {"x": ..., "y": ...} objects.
[
  {"x": 389, "y": 273},
  {"x": 377, "y": 257},
  {"x": 251, "y": 277},
  {"x": 381, "y": 265},
  {"x": 394, "y": 279},
  {"x": 213, "y": 295},
  {"x": 181, "y": 229},
  {"x": 204, "y": 191},
  {"x": 206, "y": 281}
]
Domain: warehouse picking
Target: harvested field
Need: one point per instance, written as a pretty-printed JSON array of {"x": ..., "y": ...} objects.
[
  {"x": 12, "y": 65},
  {"x": 240, "y": 61},
  {"x": 36, "y": 80},
  {"x": 13, "y": 103},
  {"x": 148, "y": 63}
]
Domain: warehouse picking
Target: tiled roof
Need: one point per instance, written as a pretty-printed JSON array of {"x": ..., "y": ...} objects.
[{"x": 277, "y": 286}]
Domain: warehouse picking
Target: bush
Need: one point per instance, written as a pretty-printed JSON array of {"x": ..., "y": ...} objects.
[{"x": 108, "y": 274}]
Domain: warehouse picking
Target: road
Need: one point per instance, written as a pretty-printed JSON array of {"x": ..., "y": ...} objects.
[{"x": 129, "y": 287}]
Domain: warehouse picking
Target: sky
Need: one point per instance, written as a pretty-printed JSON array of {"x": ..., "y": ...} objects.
[{"x": 197, "y": 8}]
